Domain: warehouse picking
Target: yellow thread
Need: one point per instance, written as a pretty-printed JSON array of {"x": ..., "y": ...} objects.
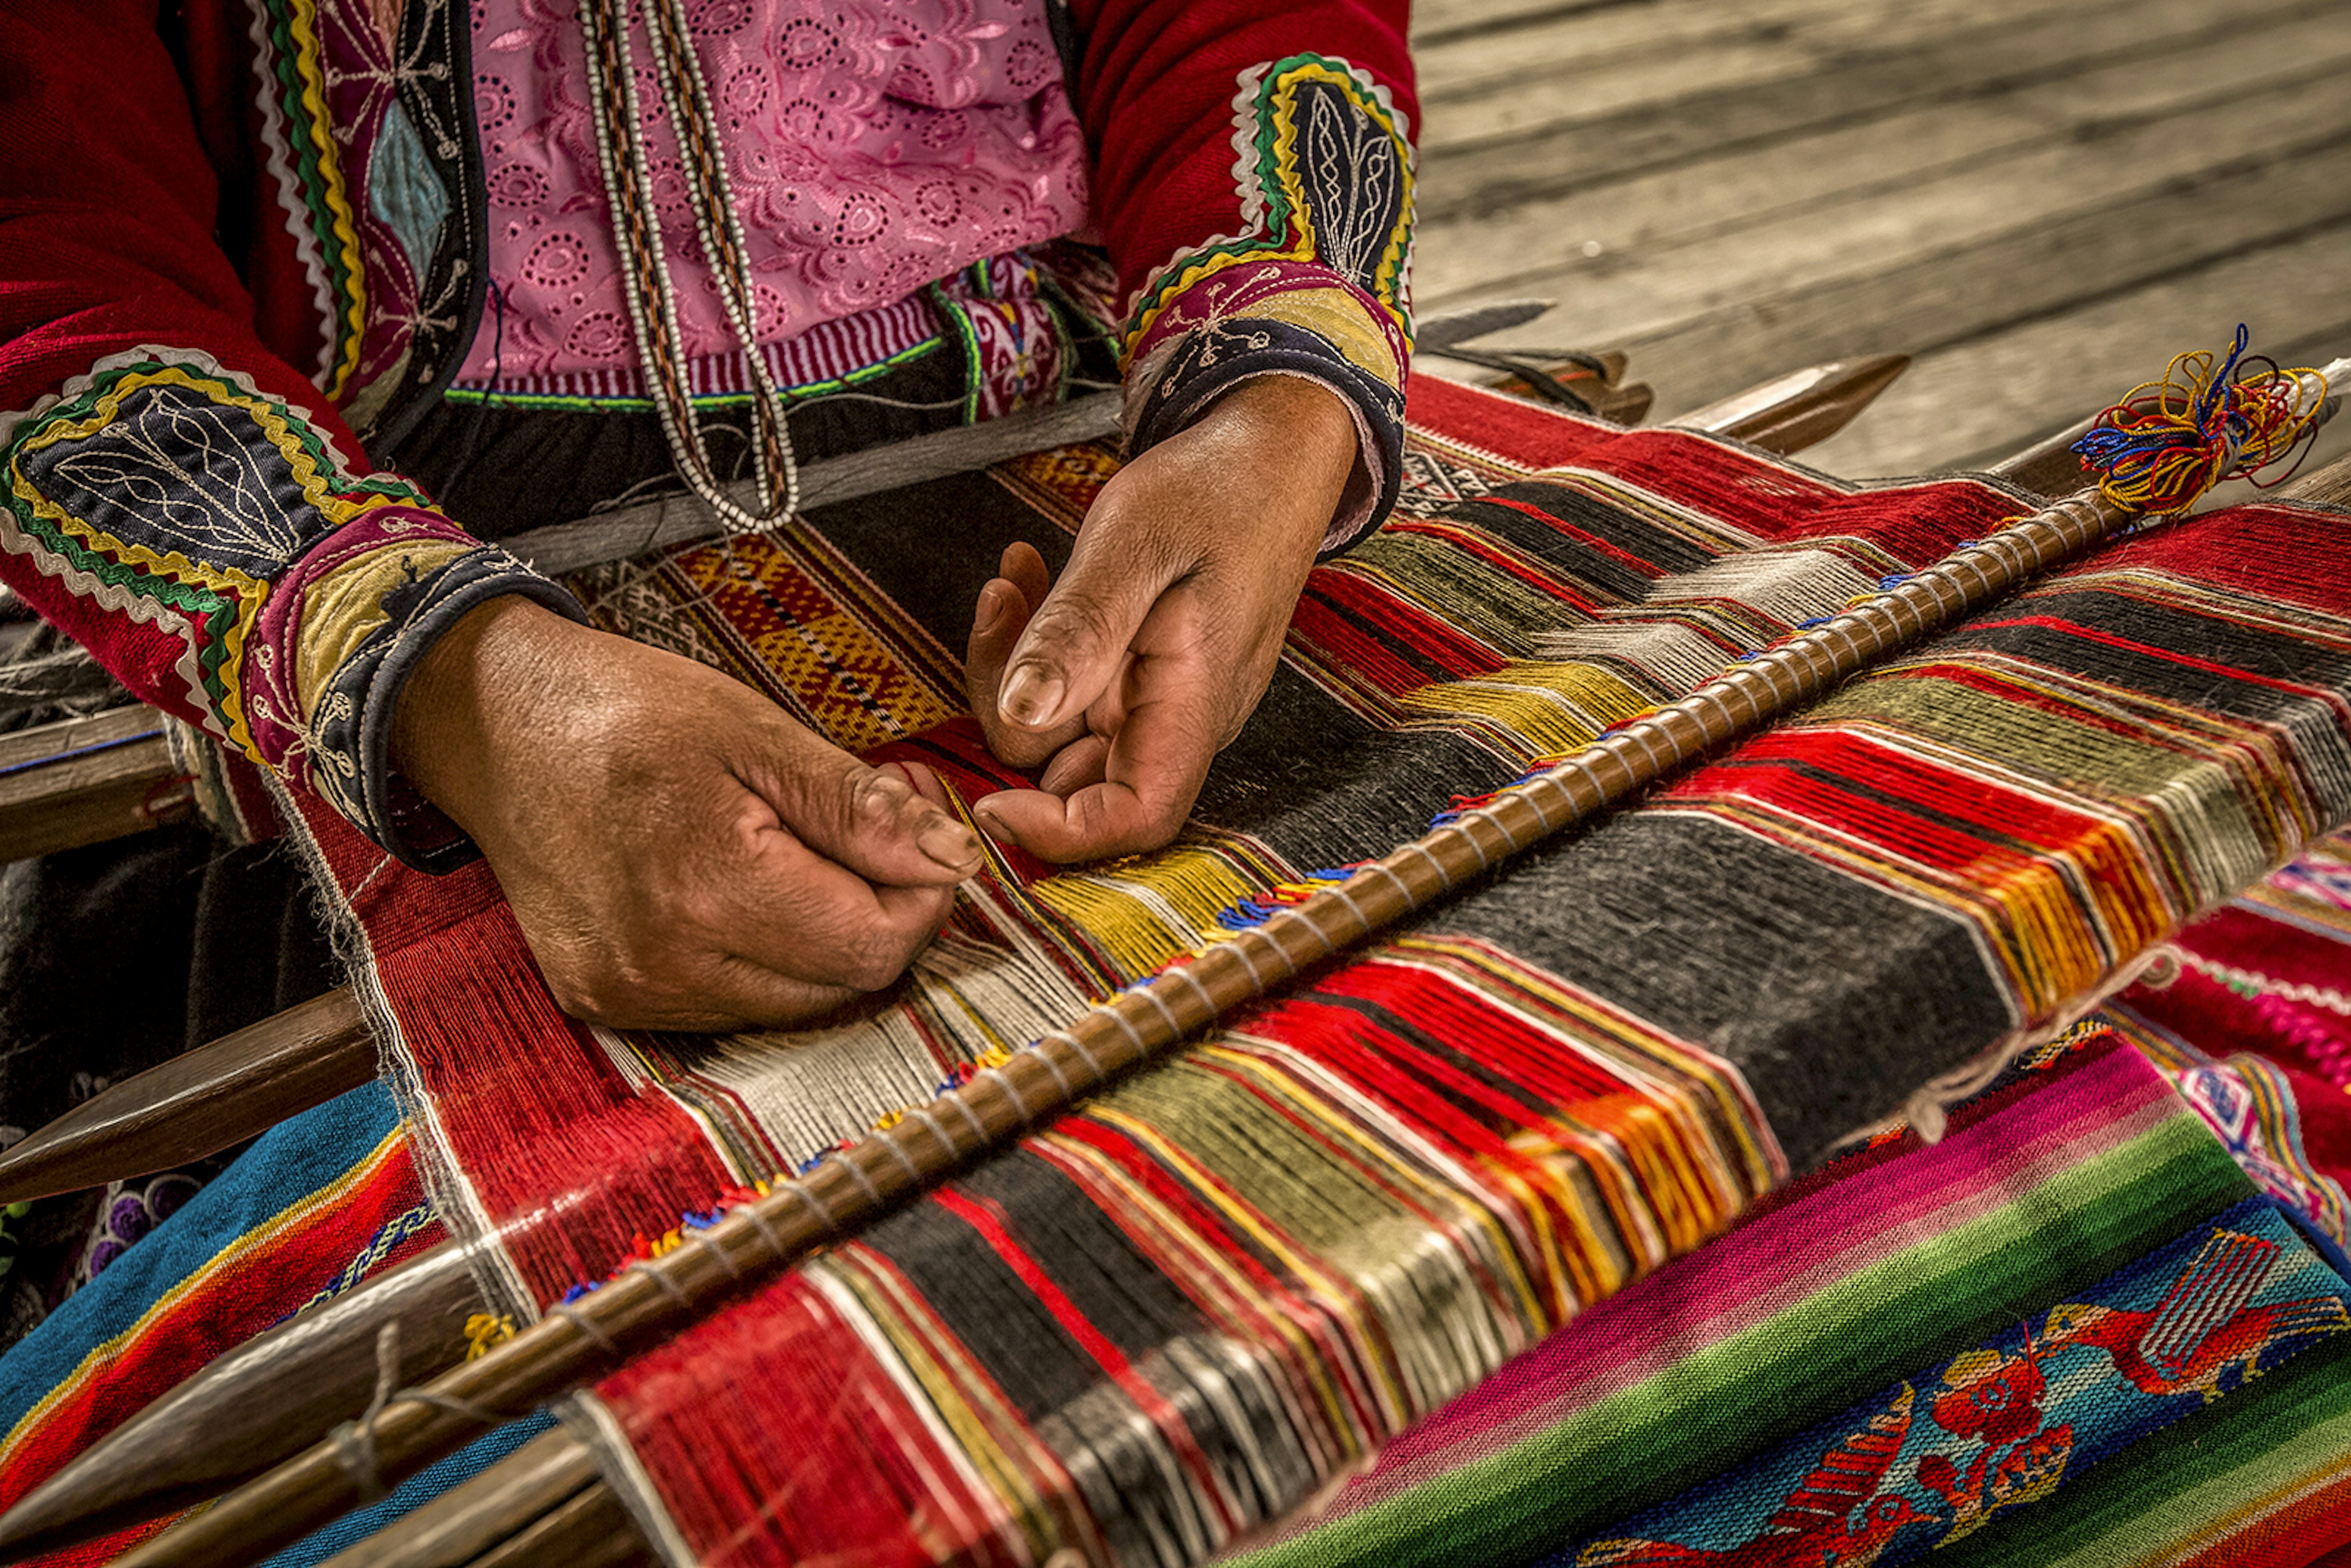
[{"x": 485, "y": 1330}]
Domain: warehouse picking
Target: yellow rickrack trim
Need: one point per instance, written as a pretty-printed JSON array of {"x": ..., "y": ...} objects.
[
  {"x": 247, "y": 591},
  {"x": 301, "y": 24},
  {"x": 483, "y": 1330}
]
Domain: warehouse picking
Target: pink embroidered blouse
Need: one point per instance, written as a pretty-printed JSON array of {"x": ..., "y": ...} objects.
[{"x": 872, "y": 145}]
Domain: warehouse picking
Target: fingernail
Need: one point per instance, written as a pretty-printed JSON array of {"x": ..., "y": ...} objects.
[
  {"x": 1032, "y": 695},
  {"x": 949, "y": 843},
  {"x": 885, "y": 791},
  {"x": 991, "y": 611}
]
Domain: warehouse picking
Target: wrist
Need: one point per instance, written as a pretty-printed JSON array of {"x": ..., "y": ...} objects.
[
  {"x": 480, "y": 669},
  {"x": 1308, "y": 429}
]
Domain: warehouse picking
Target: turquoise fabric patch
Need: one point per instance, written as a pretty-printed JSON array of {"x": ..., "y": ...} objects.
[
  {"x": 413, "y": 1493},
  {"x": 405, "y": 191}
]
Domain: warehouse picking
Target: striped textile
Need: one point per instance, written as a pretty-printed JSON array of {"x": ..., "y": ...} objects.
[
  {"x": 319, "y": 1203},
  {"x": 1174, "y": 1316},
  {"x": 1692, "y": 1411}
]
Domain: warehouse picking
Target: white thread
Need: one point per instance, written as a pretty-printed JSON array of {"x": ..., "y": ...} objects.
[
  {"x": 1150, "y": 993},
  {"x": 846, "y": 1160},
  {"x": 1085, "y": 1054},
  {"x": 1184, "y": 973},
  {"x": 979, "y": 1128},
  {"x": 923, "y": 1114},
  {"x": 1004, "y": 1082},
  {"x": 1443, "y": 877}
]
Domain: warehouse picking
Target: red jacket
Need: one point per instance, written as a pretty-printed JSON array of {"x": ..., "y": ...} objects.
[{"x": 208, "y": 321}]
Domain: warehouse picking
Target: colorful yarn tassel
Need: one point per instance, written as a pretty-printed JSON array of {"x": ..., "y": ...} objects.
[{"x": 2168, "y": 443}]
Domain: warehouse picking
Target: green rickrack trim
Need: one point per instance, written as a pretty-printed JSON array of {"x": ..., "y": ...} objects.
[
  {"x": 302, "y": 138},
  {"x": 192, "y": 600},
  {"x": 969, "y": 339}
]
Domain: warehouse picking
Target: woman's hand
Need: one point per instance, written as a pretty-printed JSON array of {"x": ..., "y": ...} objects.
[
  {"x": 1127, "y": 676},
  {"x": 680, "y": 854}
]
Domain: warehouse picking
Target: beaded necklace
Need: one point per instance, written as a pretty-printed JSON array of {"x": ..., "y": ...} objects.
[{"x": 651, "y": 300}]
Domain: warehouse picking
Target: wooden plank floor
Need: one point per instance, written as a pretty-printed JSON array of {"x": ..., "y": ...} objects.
[{"x": 2042, "y": 199}]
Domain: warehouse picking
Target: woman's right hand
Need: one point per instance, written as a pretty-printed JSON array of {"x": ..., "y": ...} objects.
[{"x": 679, "y": 854}]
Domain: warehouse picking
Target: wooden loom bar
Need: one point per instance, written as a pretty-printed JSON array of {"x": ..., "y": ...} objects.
[
  {"x": 755, "y": 1242},
  {"x": 200, "y": 1102},
  {"x": 223, "y": 1092},
  {"x": 85, "y": 780}
]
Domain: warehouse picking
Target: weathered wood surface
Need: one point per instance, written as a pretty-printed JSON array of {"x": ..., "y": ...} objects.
[
  {"x": 84, "y": 780},
  {"x": 2041, "y": 199}
]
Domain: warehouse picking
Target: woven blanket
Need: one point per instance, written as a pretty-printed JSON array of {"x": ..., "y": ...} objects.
[
  {"x": 1174, "y": 1316},
  {"x": 1920, "y": 1346}
]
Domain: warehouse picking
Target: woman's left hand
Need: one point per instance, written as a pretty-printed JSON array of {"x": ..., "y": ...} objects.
[{"x": 1125, "y": 678}]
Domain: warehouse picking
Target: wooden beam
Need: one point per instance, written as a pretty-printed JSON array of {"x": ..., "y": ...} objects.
[
  {"x": 1803, "y": 407},
  {"x": 682, "y": 518},
  {"x": 591, "y": 1530},
  {"x": 199, "y": 1102},
  {"x": 85, "y": 780},
  {"x": 480, "y": 1515}
]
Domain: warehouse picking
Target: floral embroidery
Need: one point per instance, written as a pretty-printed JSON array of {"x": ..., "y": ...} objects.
[
  {"x": 873, "y": 149},
  {"x": 2002, "y": 1426}
]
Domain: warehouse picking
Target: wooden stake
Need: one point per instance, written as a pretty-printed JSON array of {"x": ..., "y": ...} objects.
[
  {"x": 199, "y": 1102},
  {"x": 481, "y": 1514},
  {"x": 652, "y": 1300},
  {"x": 253, "y": 1406},
  {"x": 591, "y": 1530}
]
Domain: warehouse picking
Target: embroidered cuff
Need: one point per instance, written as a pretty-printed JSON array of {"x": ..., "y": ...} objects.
[
  {"x": 208, "y": 538},
  {"x": 1312, "y": 283},
  {"x": 342, "y": 633},
  {"x": 1282, "y": 318}
]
